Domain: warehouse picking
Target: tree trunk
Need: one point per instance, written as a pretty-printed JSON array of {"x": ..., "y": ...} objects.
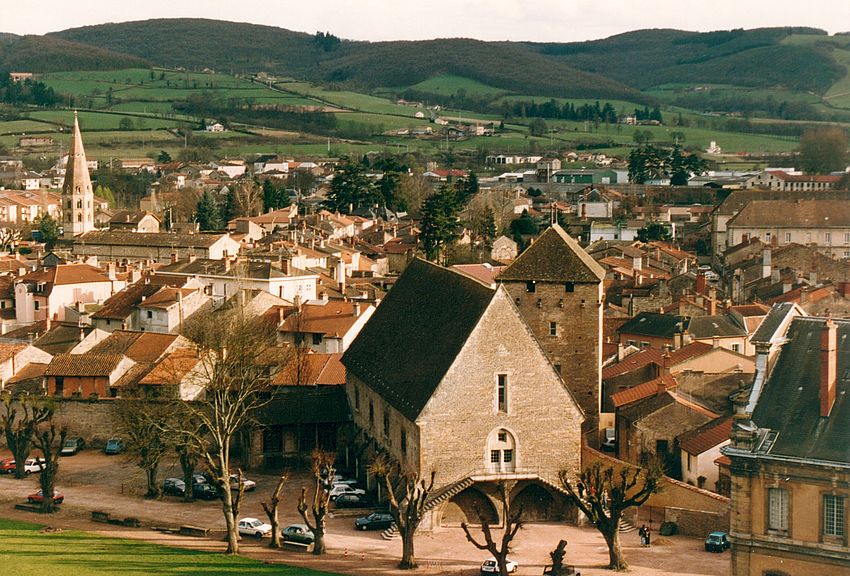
[
  {"x": 319, "y": 538},
  {"x": 408, "y": 560},
  {"x": 153, "y": 489},
  {"x": 612, "y": 539},
  {"x": 21, "y": 452},
  {"x": 275, "y": 524},
  {"x": 188, "y": 479},
  {"x": 503, "y": 565},
  {"x": 232, "y": 529}
]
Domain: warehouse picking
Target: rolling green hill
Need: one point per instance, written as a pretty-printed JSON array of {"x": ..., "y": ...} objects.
[{"x": 49, "y": 53}]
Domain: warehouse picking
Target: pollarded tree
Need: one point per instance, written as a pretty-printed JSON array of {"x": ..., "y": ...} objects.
[
  {"x": 231, "y": 346},
  {"x": 513, "y": 522},
  {"x": 602, "y": 494},
  {"x": 49, "y": 439},
  {"x": 19, "y": 421},
  {"x": 143, "y": 422},
  {"x": 322, "y": 466},
  {"x": 407, "y": 494},
  {"x": 271, "y": 510}
]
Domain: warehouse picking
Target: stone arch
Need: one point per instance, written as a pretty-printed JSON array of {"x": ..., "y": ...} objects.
[
  {"x": 538, "y": 504},
  {"x": 465, "y": 506}
]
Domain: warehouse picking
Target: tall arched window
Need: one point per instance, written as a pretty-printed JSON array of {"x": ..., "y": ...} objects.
[{"x": 501, "y": 454}]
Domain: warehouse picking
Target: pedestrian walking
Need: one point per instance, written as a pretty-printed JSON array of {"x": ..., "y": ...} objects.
[
  {"x": 648, "y": 530},
  {"x": 642, "y": 534}
]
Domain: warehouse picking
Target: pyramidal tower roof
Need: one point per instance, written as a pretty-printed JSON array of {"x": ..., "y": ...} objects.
[
  {"x": 554, "y": 257},
  {"x": 77, "y": 180}
]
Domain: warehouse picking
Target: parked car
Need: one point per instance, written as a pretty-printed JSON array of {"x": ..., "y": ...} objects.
[
  {"x": 114, "y": 446},
  {"x": 297, "y": 533},
  {"x": 716, "y": 542},
  {"x": 254, "y": 527},
  {"x": 609, "y": 442},
  {"x": 374, "y": 521},
  {"x": 174, "y": 486},
  {"x": 339, "y": 489},
  {"x": 492, "y": 567},
  {"x": 34, "y": 465},
  {"x": 72, "y": 446},
  {"x": 351, "y": 500},
  {"x": 204, "y": 491},
  {"x": 38, "y": 497},
  {"x": 247, "y": 485},
  {"x": 344, "y": 480},
  {"x": 7, "y": 466}
]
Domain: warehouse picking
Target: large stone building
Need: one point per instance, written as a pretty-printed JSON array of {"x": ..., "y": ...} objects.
[
  {"x": 77, "y": 193},
  {"x": 790, "y": 459},
  {"x": 447, "y": 376},
  {"x": 557, "y": 288}
]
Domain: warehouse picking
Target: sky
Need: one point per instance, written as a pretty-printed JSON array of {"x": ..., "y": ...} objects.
[{"x": 538, "y": 20}]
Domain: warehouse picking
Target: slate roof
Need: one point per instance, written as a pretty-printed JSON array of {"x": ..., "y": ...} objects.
[
  {"x": 413, "y": 337},
  {"x": 306, "y": 405},
  {"x": 655, "y": 324},
  {"x": 790, "y": 404},
  {"x": 793, "y": 213},
  {"x": 159, "y": 239},
  {"x": 720, "y": 325},
  {"x": 554, "y": 257},
  {"x": 83, "y": 364},
  {"x": 772, "y": 321}
]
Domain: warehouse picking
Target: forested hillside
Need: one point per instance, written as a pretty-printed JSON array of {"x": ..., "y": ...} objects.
[{"x": 50, "y": 54}]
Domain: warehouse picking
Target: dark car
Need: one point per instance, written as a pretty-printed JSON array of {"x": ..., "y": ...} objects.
[
  {"x": 114, "y": 446},
  {"x": 716, "y": 542},
  {"x": 350, "y": 501},
  {"x": 297, "y": 533},
  {"x": 174, "y": 486},
  {"x": 204, "y": 491},
  {"x": 72, "y": 446},
  {"x": 374, "y": 521}
]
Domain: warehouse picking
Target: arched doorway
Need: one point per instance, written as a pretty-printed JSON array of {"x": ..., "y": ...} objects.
[
  {"x": 466, "y": 506},
  {"x": 536, "y": 502},
  {"x": 501, "y": 452}
]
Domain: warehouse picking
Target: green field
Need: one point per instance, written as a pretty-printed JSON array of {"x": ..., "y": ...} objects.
[{"x": 27, "y": 551}]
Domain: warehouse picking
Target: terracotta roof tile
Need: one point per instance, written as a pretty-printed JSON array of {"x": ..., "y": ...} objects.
[
  {"x": 121, "y": 305},
  {"x": 83, "y": 364},
  {"x": 644, "y": 390},
  {"x": 172, "y": 369},
  {"x": 706, "y": 437},
  {"x": 28, "y": 372},
  {"x": 317, "y": 370},
  {"x": 653, "y": 355}
]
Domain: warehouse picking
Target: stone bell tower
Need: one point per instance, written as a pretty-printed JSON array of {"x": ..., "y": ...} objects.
[{"x": 77, "y": 193}]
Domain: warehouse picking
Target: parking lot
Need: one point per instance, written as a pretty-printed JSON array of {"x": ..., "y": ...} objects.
[{"x": 92, "y": 481}]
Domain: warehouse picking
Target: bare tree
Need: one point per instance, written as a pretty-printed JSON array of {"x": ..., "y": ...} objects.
[
  {"x": 513, "y": 522},
  {"x": 19, "y": 422},
  {"x": 602, "y": 494},
  {"x": 231, "y": 346},
  {"x": 407, "y": 494},
  {"x": 186, "y": 430},
  {"x": 322, "y": 466},
  {"x": 144, "y": 424},
  {"x": 271, "y": 507},
  {"x": 10, "y": 236},
  {"x": 46, "y": 441}
]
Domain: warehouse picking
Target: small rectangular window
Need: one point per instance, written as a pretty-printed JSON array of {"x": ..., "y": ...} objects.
[
  {"x": 777, "y": 507},
  {"x": 150, "y": 314},
  {"x": 386, "y": 423},
  {"x": 403, "y": 442},
  {"x": 833, "y": 515},
  {"x": 357, "y": 399},
  {"x": 37, "y": 304},
  {"x": 530, "y": 286},
  {"x": 507, "y": 455},
  {"x": 495, "y": 456},
  {"x": 736, "y": 347},
  {"x": 553, "y": 328},
  {"x": 787, "y": 236},
  {"x": 502, "y": 392},
  {"x": 827, "y": 237},
  {"x": 569, "y": 287},
  {"x": 317, "y": 339},
  {"x": 847, "y": 237}
]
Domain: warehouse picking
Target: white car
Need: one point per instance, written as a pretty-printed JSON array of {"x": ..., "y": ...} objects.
[
  {"x": 492, "y": 567},
  {"x": 254, "y": 527},
  {"x": 339, "y": 489},
  {"x": 247, "y": 485},
  {"x": 34, "y": 465}
]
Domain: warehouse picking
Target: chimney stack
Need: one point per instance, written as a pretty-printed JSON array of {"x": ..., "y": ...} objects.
[
  {"x": 766, "y": 264},
  {"x": 280, "y": 316},
  {"x": 637, "y": 262},
  {"x": 192, "y": 257},
  {"x": 712, "y": 306},
  {"x": 340, "y": 276},
  {"x": 700, "y": 285},
  {"x": 828, "y": 366},
  {"x": 227, "y": 264},
  {"x": 356, "y": 309},
  {"x": 174, "y": 257}
]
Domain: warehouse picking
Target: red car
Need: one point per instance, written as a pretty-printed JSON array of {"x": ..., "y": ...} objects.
[
  {"x": 7, "y": 466},
  {"x": 38, "y": 497}
]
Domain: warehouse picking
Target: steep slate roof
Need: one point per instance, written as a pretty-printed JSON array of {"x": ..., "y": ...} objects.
[
  {"x": 83, "y": 364},
  {"x": 720, "y": 325},
  {"x": 306, "y": 405},
  {"x": 772, "y": 321},
  {"x": 411, "y": 340},
  {"x": 554, "y": 257},
  {"x": 159, "y": 239},
  {"x": 790, "y": 402},
  {"x": 654, "y": 324}
]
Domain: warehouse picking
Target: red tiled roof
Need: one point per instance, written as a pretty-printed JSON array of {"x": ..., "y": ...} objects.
[
  {"x": 172, "y": 369},
  {"x": 317, "y": 370},
  {"x": 166, "y": 297},
  {"x": 64, "y": 274},
  {"x": 83, "y": 364},
  {"x": 8, "y": 350},
  {"x": 708, "y": 436},
  {"x": 644, "y": 390},
  {"x": 334, "y": 318},
  {"x": 653, "y": 355},
  {"x": 28, "y": 372}
]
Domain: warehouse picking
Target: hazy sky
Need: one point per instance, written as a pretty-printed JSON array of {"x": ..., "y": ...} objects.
[{"x": 541, "y": 20}]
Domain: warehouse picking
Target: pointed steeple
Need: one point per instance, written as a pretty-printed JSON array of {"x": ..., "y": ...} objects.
[
  {"x": 77, "y": 180},
  {"x": 77, "y": 193}
]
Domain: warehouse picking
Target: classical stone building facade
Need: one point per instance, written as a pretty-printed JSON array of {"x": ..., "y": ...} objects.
[
  {"x": 446, "y": 376},
  {"x": 790, "y": 459},
  {"x": 557, "y": 288}
]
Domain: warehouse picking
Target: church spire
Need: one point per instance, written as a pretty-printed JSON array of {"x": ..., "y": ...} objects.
[{"x": 77, "y": 193}]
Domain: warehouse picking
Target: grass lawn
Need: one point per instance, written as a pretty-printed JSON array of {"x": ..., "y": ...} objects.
[{"x": 25, "y": 551}]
